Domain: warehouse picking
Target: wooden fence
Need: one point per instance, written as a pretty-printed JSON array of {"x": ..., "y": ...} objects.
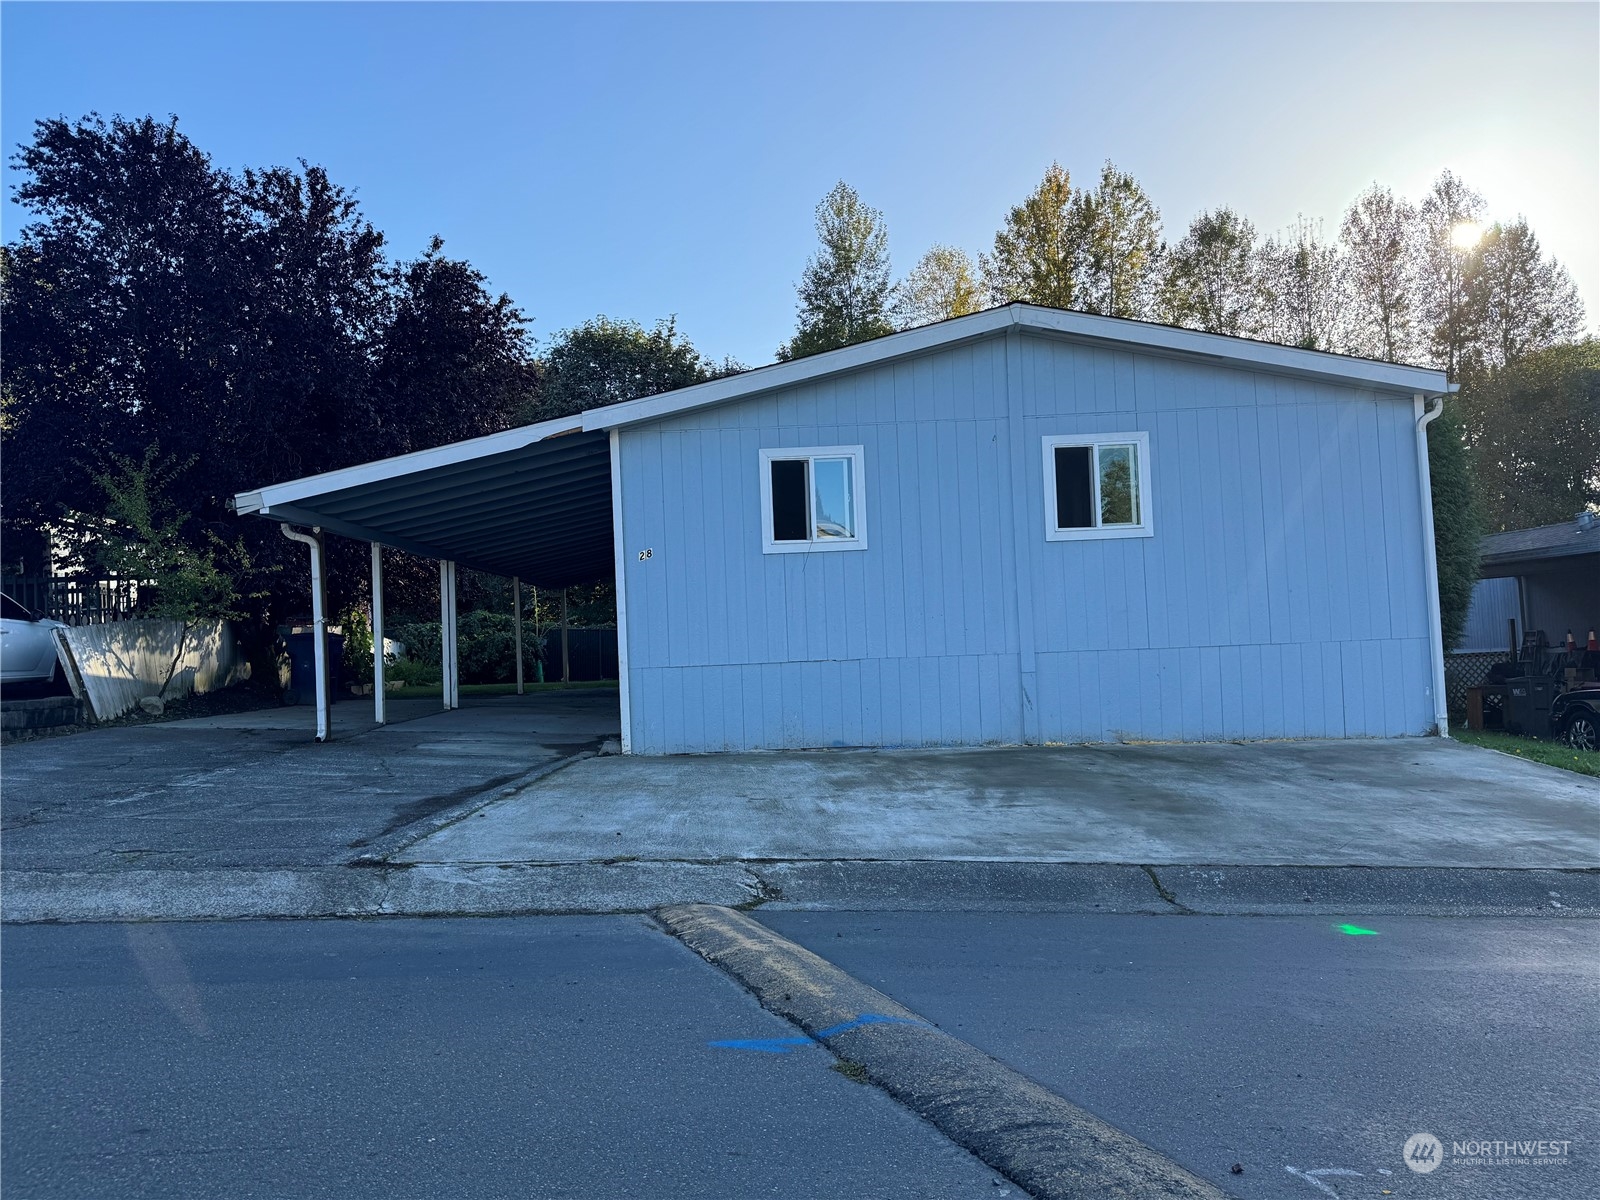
[{"x": 74, "y": 600}]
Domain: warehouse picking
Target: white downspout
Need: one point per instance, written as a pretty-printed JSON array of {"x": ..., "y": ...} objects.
[
  {"x": 1441, "y": 705},
  {"x": 379, "y": 708},
  {"x": 319, "y": 622}
]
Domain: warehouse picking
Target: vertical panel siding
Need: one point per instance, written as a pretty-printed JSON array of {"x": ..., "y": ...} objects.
[{"x": 1281, "y": 595}]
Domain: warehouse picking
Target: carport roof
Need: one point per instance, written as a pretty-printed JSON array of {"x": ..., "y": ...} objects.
[
  {"x": 533, "y": 502},
  {"x": 536, "y": 501}
]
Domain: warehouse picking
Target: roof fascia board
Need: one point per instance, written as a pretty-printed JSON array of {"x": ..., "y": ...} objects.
[
  {"x": 1135, "y": 335},
  {"x": 1239, "y": 352},
  {"x": 799, "y": 371},
  {"x": 402, "y": 464}
]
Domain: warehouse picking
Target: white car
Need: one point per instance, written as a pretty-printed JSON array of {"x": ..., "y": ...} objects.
[{"x": 27, "y": 645}]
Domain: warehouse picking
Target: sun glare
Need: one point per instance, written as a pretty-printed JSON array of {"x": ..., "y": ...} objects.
[{"x": 1464, "y": 235}]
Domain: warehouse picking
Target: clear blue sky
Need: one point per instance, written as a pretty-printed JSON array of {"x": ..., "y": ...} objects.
[{"x": 639, "y": 161}]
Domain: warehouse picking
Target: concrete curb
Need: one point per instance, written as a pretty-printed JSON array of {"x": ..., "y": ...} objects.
[
  {"x": 1220, "y": 890},
  {"x": 33, "y": 897},
  {"x": 488, "y": 889},
  {"x": 1047, "y": 1145}
]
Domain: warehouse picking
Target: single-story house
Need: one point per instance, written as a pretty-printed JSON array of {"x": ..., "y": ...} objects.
[
  {"x": 1021, "y": 526},
  {"x": 1545, "y": 579}
]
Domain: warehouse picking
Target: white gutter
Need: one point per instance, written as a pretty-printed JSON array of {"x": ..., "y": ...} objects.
[
  {"x": 1425, "y": 417},
  {"x": 319, "y": 622}
]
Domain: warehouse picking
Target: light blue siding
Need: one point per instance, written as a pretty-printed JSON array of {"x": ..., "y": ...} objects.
[{"x": 1281, "y": 595}]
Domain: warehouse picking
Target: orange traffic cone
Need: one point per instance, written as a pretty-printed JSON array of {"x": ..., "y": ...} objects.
[
  {"x": 1571, "y": 645},
  {"x": 1593, "y": 644}
]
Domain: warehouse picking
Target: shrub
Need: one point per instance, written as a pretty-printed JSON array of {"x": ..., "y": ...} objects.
[{"x": 485, "y": 646}]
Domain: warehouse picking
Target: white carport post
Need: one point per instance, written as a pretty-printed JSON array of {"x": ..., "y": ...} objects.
[
  {"x": 378, "y": 713},
  {"x": 319, "y": 623},
  {"x": 447, "y": 632},
  {"x": 516, "y": 603}
]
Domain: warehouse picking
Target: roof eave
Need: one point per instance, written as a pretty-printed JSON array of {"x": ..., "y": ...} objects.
[{"x": 1235, "y": 352}]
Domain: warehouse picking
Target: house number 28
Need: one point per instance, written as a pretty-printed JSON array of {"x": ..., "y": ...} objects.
[{"x": 644, "y": 554}]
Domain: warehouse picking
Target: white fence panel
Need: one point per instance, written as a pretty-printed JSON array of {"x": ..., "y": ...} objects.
[{"x": 121, "y": 662}]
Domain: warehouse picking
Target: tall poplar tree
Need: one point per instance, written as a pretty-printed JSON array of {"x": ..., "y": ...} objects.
[
  {"x": 1035, "y": 251},
  {"x": 1118, "y": 247},
  {"x": 1212, "y": 276},
  {"x": 845, "y": 293},
  {"x": 1379, "y": 235},
  {"x": 1449, "y": 207}
]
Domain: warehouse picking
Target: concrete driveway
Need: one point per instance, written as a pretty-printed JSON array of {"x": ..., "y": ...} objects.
[
  {"x": 1417, "y": 802},
  {"x": 253, "y": 789}
]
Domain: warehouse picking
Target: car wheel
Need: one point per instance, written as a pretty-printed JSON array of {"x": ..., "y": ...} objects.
[{"x": 1582, "y": 731}]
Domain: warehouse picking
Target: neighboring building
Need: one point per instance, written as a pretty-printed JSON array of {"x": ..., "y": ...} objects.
[
  {"x": 1546, "y": 579},
  {"x": 1021, "y": 526}
]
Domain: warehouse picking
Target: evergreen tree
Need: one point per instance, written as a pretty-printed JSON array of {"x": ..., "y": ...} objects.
[
  {"x": 1534, "y": 432},
  {"x": 1035, "y": 252},
  {"x": 1457, "y": 521},
  {"x": 1517, "y": 301},
  {"x": 845, "y": 293}
]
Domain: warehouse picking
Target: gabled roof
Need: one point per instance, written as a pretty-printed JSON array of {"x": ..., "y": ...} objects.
[
  {"x": 1118, "y": 332},
  {"x": 536, "y": 501}
]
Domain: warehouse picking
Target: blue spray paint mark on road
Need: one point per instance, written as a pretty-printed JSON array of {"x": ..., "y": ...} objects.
[
  {"x": 763, "y": 1045},
  {"x": 783, "y": 1045}
]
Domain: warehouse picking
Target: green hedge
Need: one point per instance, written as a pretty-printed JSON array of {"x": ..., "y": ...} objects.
[{"x": 485, "y": 646}]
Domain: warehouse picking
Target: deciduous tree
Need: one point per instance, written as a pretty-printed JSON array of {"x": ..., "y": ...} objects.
[
  {"x": 943, "y": 284},
  {"x": 1118, "y": 232},
  {"x": 1035, "y": 251},
  {"x": 845, "y": 292},
  {"x": 1304, "y": 298},
  {"x": 1380, "y": 238},
  {"x": 1213, "y": 276}
]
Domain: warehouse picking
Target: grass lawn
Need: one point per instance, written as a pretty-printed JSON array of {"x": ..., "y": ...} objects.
[
  {"x": 1554, "y": 754},
  {"x": 434, "y": 691}
]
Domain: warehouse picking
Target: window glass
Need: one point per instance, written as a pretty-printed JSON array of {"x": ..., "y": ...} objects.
[
  {"x": 835, "y": 509},
  {"x": 789, "y": 516},
  {"x": 1119, "y": 485},
  {"x": 12, "y": 611},
  {"x": 1074, "y": 487}
]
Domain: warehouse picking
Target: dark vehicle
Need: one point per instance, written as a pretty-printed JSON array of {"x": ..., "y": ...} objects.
[{"x": 1575, "y": 717}]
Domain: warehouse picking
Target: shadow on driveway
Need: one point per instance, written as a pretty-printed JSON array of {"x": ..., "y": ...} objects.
[{"x": 254, "y": 790}]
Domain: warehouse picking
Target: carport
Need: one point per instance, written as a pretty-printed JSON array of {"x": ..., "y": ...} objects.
[{"x": 534, "y": 504}]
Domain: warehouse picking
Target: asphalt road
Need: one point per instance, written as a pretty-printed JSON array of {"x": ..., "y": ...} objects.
[
  {"x": 1272, "y": 1042},
  {"x": 545, "y": 1057}
]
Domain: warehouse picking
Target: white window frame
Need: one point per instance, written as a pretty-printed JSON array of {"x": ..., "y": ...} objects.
[
  {"x": 857, "y": 456},
  {"x": 1141, "y": 444}
]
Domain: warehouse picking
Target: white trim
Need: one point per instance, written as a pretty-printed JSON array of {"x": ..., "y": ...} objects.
[
  {"x": 619, "y": 551},
  {"x": 1441, "y": 700},
  {"x": 813, "y": 545},
  {"x": 1141, "y": 444},
  {"x": 1398, "y": 380}
]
